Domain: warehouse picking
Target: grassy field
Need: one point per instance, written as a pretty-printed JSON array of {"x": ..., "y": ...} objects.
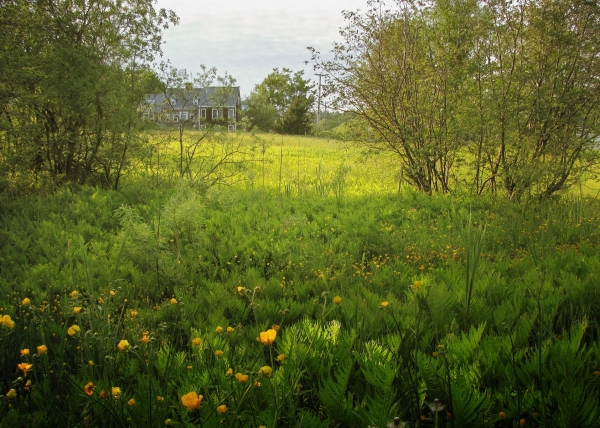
[{"x": 304, "y": 290}]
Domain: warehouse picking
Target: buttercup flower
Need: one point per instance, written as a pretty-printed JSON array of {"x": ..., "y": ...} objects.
[
  {"x": 123, "y": 346},
  {"x": 417, "y": 284},
  {"x": 26, "y": 301},
  {"x": 73, "y": 294},
  {"x": 337, "y": 300},
  {"x": 275, "y": 327},
  {"x": 76, "y": 309},
  {"x": 73, "y": 330},
  {"x": 133, "y": 313},
  {"x": 229, "y": 372},
  {"x": 280, "y": 357},
  {"x": 268, "y": 337},
  {"x": 24, "y": 351},
  {"x": 112, "y": 293},
  {"x": 501, "y": 415},
  {"x": 222, "y": 409},
  {"x": 266, "y": 371},
  {"x": 145, "y": 338},
  {"x": 24, "y": 367},
  {"x": 384, "y": 304},
  {"x": 89, "y": 388},
  {"x": 218, "y": 353},
  {"x": 219, "y": 329},
  {"x": 42, "y": 349},
  {"x": 241, "y": 377},
  {"x": 131, "y": 401},
  {"x": 196, "y": 341},
  {"x": 173, "y": 301},
  {"x": 116, "y": 392},
  {"x": 8, "y": 322},
  {"x": 11, "y": 394},
  {"x": 230, "y": 329},
  {"x": 191, "y": 401}
]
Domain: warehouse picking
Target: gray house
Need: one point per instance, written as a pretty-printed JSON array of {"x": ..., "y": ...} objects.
[{"x": 195, "y": 107}]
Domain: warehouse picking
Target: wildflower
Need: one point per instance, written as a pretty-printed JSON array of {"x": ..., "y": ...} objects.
[
  {"x": 27, "y": 385},
  {"x": 241, "y": 377},
  {"x": 25, "y": 368},
  {"x": 103, "y": 394},
  {"x": 435, "y": 354},
  {"x": 11, "y": 394},
  {"x": 522, "y": 422},
  {"x": 266, "y": 371},
  {"x": 436, "y": 406},
  {"x": 189, "y": 367},
  {"x": 91, "y": 362},
  {"x": 280, "y": 357},
  {"x": 89, "y": 389},
  {"x": 173, "y": 301},
  {"x": 8, "y": 322},
  {"x": 73, "y": 294},
  {"x": 73, "y": 330},
  {"x": 230, "y": 329},
  {"x": 219, "y": 329},
  {"x": 596, "y": 373},
  {"x": 145, "y": 338},
  {"x": 112, "y": 293},
  {"x": 42, "y": 349},
  {"x": 167, "y": 422},
  {"x": 123, "y": 346},
  {"x": 275, "y": 327},
  {"x": 218, "y": 353},
  {"x": 24, "y": 352},
  {"x": 116, "y": 392},
  {"x": 384, "y": 305},
  {"x": 76, "y": 309},
  {"x": 229, "y": 372},
  {"x": 196, "y": 341},
  {"x": 131, "y": 401},
  {"x": 26, "y": 301},
  {"x": 222, "y": 409},
  {"x": 440, "y": 347},
  {"x": 417, "y": 284},
  {"x": 256, "y": 383},
  {"x": 501, "y": 415},
  {"x": 191, "y": 401},
  {"x": 268, "y": 337},
  {"x": 159, "y": 398},
  {"x": 133, "y": 313},
  {"x": 337, "y": 300}
]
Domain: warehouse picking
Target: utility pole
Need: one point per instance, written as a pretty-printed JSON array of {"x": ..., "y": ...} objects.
[{"x": 319, "y": 103}]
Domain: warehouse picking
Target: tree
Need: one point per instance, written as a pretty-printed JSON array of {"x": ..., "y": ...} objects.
[
  {"x": 283, "y": 96},
  {"x": 73, "y": 113}
]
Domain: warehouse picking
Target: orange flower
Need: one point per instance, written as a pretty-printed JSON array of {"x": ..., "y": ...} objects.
[
  {"x": 25, "y": 351},
  {"x": 131, "y": 401},
  {"x": 103, "y": 394},
  {"x": 501, "y": 415},
  {"x": 42, "y": 349},
  {"x": 280, "y": 357},
  {"x": 268, "y": 337},
  {"x": 222, "y": 409},
  {"x": 145, "y": 338},
  {"x": 241, "y": 377},
  {"x": 134, "y": 313},
  {"x": 522, "y": 422},
  {"x": 196, "y": 341},
  {"x": 89, "y": 388},
  {"x": 229, "y": 372},
  {"x": 191, "y": 401},
  {"x": 25, "y": 368}
]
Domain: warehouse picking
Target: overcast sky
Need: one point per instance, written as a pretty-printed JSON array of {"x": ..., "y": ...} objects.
[{"x": 248, "y": 38}]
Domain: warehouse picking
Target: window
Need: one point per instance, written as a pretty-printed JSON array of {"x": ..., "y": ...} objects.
[
  {"x": 173, "y": 100},
  {"x": 195, "y": 101},
  {"x": 184, "y": 115},
  {"x": 231, "y": 128},
  {"x": 231, "y": 114},
  {"x": 215, "y": 113},
  {"x": 175, "y": 117},
  {"x": 203, "y": 113}
]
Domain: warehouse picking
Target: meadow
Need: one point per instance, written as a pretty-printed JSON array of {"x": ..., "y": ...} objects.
[{"x": 307, "y": 287}]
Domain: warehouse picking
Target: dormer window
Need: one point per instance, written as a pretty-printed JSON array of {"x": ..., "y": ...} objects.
[
  {"x": 173, "y": 100},
  {"x": 195, "y": 101}
]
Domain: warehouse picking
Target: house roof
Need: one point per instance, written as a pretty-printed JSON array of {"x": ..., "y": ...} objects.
[{"x": 183, "y": 99}]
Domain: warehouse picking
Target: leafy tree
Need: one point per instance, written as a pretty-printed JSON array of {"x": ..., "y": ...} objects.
[{"x": 282, "y": 97}]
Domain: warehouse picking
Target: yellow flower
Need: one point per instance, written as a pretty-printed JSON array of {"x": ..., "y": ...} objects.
[
  {"x": 337, "y": 300},
  {"x": 73, "y": 330},
  {"x": 275, "y": 327},
  {"x": 133, "y": 313},
  {"x": 159, "y": 398},
  {"x": 91, "y": 362},
  {"x": 77, "y": 309},
  {"x": 222, "y": 409},
  {"x": 123, "y": 346},
  {"x": 384, "y": 304},
  {"x": 218, "y": 353},
  {"x": 266, "y": 371},
  {"x": 25, "y": 351},
  {"x": 145, "y": 338},
  {"x": 11, "y": 394},
  {"x": 256, "y": 383},
  {"x": 268, "y": 337},
  {"x": 73, "y": 294},
  {"x": 8, "y": 322},
  {"x": 89, "y": 388},
  {"x": 25, "y": 368},
  {"x": 241, "y": 377},
  {"x": 26, "y": 301},
  {"x": 167, "y": 421},
  {"x": 230, "y": 329},
  {"x": 280, "y": 357},
  {"x": 173, "y": 301},
  {"x": 42, "y": 349},
  {"x": 131, "y": 401},
  {"x": 196, "y": 341},
  {"x": 116, "y": 392},
  {"x": 417, "y": 284},
  {"x": 229, "y": 372},
  {"x": 219, "y": 329},
  {"x": 191, "y": 401},
  {"x": 112, "y": 293}
]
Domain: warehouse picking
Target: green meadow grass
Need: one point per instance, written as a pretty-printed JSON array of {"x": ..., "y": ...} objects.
[{"x": 382, "y": 300}]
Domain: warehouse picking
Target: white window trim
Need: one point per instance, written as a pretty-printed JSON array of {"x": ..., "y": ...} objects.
[
  {"x": 203, "y": 113},
  {"x": 215, "y": 113},
  {"x": 184, "y": 115},
  {"x": 231, "y": 128},
  {"x": 231, "y": 113}
]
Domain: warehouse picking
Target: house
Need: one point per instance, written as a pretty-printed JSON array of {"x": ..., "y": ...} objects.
[{"x": 195, "y": 107}]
